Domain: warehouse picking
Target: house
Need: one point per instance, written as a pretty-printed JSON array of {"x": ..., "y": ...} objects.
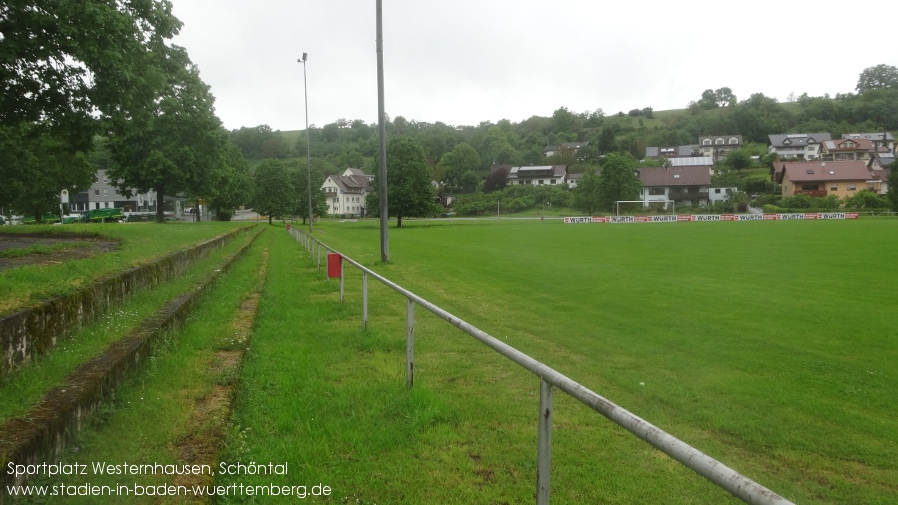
[
  {"x": 346, "y": 192},
  {"x": 682, "y": 185},
  {"x": 695, "y": 161},
  {"x": 876, "y": 138},
  {"x": 880, "y": 161},
  {"x": 851, "y": 149},
  {"x": 823, "y": 178},
  {"x": 104, "y": 194},
  {"x": 572, "y": 180},
  {"x": 672, "y": 152},
  {"x": 718, "y": 146},
  {"x": 880, "y": 165},
  {"x": 556, "y": 149},
  {"x": 801, "y": 146},
  {"x": 545, "y": 174}
]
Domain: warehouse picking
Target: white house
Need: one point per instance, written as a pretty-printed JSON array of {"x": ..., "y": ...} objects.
[
  {"x": 799, "y": 146},
  {"x": 573, "y": 179},
  {"x": 346, "y": 192},
  {"x": 545, "y": 174}
]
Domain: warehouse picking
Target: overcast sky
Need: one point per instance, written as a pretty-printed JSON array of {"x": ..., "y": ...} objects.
[{"x": 462, "y": 62}]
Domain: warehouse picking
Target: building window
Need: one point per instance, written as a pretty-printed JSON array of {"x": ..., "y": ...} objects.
[
  {"x": 852, "y": 187},
  {"x": 706, "y": 142},
  {"x": 553, "y": 181},
  {"x": 809, "y": 187},
  {"x": 734, "y": 140},
  {"x": 96, "y": 192},
  {"x": 834, "y": 188},
  {"x": 656, "y": 191},
  {"x": 716, "y": 191},
  {"x": 718, "y": 141}
]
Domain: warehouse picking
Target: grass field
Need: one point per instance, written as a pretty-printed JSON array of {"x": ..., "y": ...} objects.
[{"x": 770, "y": 346}]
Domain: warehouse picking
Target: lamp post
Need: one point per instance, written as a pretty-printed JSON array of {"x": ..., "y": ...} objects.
[
  {"x": 305, "y": 87},
  {"x": 381, "y": 137}
]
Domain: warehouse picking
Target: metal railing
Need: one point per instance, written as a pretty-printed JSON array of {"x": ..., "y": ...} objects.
[{"x": 723, "y": 476}]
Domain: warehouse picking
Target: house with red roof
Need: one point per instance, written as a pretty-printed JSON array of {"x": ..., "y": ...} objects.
[
  {"x": 850, "y": 149},
  {"x": 823, "y": 178}
]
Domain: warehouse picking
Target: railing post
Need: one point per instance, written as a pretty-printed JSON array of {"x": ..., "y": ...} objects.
[
  {"x": 544, "y": 445},
  {"x": 341, "y": 281},
  {"x": 365, "y": 300},
  {"x": 319, "y": 257},
  {"x": 410, "y": 344}
]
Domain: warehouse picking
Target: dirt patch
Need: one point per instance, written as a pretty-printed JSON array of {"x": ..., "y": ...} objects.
[
  {"x": 52, "y": 248},
  {"x": 210, "y": 418}
]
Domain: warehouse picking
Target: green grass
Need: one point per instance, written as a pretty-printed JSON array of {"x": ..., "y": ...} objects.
[
  {"x": 21, "y": 390},
  {"x": 150, "y": 415},
  {"x": 140, "y": 243},
  {"x": 769, "y": 346}
]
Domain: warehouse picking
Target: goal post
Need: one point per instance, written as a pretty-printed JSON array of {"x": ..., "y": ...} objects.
[{"x": 668, "y": 204}]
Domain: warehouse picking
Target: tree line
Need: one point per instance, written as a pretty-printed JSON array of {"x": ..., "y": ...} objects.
[
  {"x": 113, "y": 91},
  {"x": 90, "y": 83},
  {"x": 459, "y": 157}
]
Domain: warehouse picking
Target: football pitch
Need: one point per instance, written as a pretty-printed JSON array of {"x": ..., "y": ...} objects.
[{"x": 770, "y": 346}]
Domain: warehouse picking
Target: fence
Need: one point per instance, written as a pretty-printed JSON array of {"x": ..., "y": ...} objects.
[{"x": 723, "y": 476}]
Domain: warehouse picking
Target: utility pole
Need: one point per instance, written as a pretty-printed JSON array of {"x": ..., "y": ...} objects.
[{"x": 382, "y": 141}]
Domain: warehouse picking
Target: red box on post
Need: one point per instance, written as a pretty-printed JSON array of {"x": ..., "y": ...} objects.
[{"x": 334, "y": 264}]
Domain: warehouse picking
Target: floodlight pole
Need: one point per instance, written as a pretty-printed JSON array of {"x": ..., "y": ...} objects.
[
  {"x": 382, "y": 142},
  {"x": 305, "y": 87}
]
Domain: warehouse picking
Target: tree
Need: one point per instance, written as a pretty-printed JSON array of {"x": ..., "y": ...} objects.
[
  {"x": 708, "y": 99},
  {"x": 893, "y": 188},
  {"x": 618, "y": 180},
  {"x": 409, "y": 189},
  {"x": 724, "y": 97},
  {"x": 469, "y": 181},
  {"x": 174, "y": 147},
  {"x": 738, "y": 159},
  {"x": 274, "y": 193},
  {"x": 759, "y": 115},
  {"x": 250, "y": 140},
  {"x": 586, "y": 197},
  {"x": 456, "y": 163},
  {"x": 712, "y": 99},
  {"x": 563, "y": 120},
  {"x": 35, "y": 166},
  {"x": 69, "y": 62},
  {"x": 878, "y": 77},
  {"x": 67, "y": 66},
  {"x": 496, "y": 180},
  {"x": 724, "y": 178},
  {"x": 235, "y": 185}
]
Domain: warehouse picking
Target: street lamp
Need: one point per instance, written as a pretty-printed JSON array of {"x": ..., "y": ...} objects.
[{"x": 308, "y": 142}]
